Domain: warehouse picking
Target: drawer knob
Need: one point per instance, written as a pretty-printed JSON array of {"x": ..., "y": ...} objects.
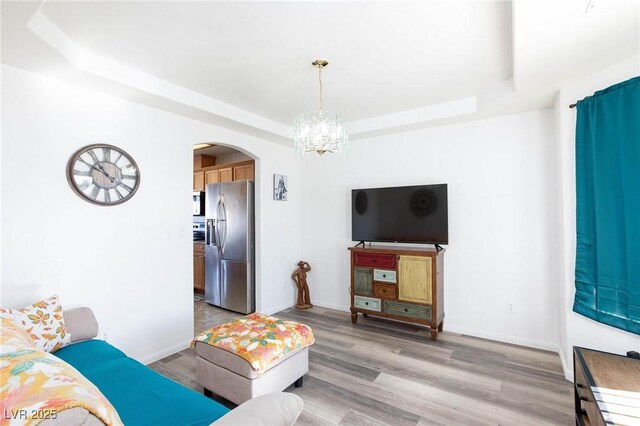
[
  {"x": 366, "y": 303},
  {"x": 406, "y": 310}
]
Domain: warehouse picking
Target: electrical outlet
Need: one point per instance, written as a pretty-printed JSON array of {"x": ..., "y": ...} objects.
[{"x": 511, "y": 309}]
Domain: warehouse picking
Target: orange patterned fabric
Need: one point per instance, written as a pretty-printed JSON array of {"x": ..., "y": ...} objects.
[
  {"x": 259, "y": 339},
  {"x": 35, "y": 385}
]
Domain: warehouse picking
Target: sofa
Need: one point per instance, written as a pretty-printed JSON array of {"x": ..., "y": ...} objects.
[{"x": 142, "y": 396}]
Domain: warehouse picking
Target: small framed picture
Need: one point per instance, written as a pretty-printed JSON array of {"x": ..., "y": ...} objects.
[{"x": 280, "y": 187}]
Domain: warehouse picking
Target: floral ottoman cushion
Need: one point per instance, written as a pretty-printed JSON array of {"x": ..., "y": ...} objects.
[{"x": 259, "y": 339}]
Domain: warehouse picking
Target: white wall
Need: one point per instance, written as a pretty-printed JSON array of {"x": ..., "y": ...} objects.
[
  {"x": 131, "y": 263},
  {"x": 501, "y": 177},
  {"x": 577, "y": 330}
]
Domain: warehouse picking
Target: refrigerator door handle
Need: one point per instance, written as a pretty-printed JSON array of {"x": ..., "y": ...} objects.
[
  {"x": 209, "y": 237},
  {"x": 220, "y": 219},
  {"x": 223, "y": 241}
]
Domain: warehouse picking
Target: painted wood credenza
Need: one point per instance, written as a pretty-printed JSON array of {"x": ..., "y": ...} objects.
[{"x": 398, "y": 283}]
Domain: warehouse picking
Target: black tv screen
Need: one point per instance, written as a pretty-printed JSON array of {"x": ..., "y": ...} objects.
[{"x": 403, "y": 214}]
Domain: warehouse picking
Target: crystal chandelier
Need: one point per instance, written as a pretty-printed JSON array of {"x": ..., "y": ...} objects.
[{"x": 320, "y": 131}]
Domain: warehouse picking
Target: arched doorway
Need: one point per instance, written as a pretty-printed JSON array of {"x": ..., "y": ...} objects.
[{"x": 225, "y": 264}]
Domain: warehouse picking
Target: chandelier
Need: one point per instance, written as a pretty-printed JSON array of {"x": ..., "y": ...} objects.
[{"x": 320, "y": 131}]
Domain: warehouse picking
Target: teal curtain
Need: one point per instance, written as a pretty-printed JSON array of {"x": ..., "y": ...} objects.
[{"x": 608, "y": 206}]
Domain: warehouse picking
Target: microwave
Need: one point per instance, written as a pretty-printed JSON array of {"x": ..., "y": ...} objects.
[{"x": 198, "y": 203}]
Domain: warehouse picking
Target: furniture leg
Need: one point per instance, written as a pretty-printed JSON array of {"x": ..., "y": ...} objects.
[
  {"x": 298, "y": 383},
  {"x": 208, "y": 393},
  {"x": 434, "y": 334},
  {"x": 440, "y": 326},
  {"x": 364, "y": 315},
  {"x": 354, "y": 317}
]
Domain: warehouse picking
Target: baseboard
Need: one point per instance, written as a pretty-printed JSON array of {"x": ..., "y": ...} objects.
[
  {"x": 472, "y": 332},
  {"x": 502, "y": 338},
  {"x": 165, "y": 352},
  {"x": 568, "y": 371},
  {"x": 343, "y": 308},
  {"x": 278, "y": 309}
]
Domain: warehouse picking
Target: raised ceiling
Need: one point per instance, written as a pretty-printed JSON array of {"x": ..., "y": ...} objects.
[
  {"x": 384, "y": 57},
  {"x": 393, "y": 65}
]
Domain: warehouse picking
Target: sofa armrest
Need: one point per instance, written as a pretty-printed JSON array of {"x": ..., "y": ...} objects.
[
  {"x": 76, "y": 416},
  {"x": 80, "y": 323},
  {"x": 273, "y": 409}
]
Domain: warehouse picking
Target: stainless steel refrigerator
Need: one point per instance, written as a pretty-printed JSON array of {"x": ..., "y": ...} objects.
[{"x": 229, "y": 246}]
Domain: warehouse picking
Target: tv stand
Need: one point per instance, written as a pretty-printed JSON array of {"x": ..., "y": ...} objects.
[
  {"x": 439, "y": 248},
  {"x": 361, "y": 242},
  {"x": 399, "y": 283}
]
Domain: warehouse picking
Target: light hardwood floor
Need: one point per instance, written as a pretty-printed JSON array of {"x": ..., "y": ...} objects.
[{"x": 380, "y": 372}]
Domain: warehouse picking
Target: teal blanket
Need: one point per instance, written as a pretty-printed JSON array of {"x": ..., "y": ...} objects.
[{"x": 139, "y": 394}]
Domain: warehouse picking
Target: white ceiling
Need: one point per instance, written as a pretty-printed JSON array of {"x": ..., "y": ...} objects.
[
  {"x": 393, "y": 65},
  {"x": 217, "y": 151},
  {"x": 383, "y": 57}
]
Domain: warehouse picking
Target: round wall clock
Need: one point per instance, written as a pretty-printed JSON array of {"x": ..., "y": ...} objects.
[{"x": 103, "y": 174}]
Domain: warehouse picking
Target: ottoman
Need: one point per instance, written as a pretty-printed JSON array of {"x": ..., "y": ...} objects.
[{"x": 252, "y": 356}]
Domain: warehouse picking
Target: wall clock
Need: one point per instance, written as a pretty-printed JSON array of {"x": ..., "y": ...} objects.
[{"x": 103, "y": 174}]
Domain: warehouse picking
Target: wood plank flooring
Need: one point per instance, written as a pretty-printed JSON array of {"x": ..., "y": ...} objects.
[{"x": 381, "y": 372}]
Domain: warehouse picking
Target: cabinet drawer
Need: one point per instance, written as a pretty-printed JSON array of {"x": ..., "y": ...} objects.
[
  {"x": 366, "y": 303},
  {"x": 384, "y": 275},
  {"x": 375, "y": 260},
  {"x": 407, "y": 310},
  {"x": 386, "y": 291}
]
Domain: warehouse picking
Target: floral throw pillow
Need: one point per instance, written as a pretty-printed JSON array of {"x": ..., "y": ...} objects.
[{"x": 43, "y": 322}]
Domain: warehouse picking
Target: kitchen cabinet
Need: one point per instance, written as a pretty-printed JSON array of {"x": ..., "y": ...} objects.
[
  {"x": 198, "y": 267},
  {"x": 198, "y": 181},
  {"x": 243, "y": 172},
  {"x": 211, "y": 176},
  {"x": 226, "y": 174},
  {"x": 200, "y": 161}
]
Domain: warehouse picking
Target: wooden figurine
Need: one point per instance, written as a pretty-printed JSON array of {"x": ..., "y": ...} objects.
[{"x": 299, "y": 276}]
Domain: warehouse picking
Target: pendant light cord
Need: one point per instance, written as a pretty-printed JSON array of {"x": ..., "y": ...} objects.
[{"x": 320, "y": 81}]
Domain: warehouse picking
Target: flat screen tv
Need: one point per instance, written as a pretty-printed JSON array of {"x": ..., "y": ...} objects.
[{"x": 402, "y": 214}]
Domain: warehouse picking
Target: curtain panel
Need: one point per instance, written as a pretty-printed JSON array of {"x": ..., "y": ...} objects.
[{"x": 607, "y": 275}]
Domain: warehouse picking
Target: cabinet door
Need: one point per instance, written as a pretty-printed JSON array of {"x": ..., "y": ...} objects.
[
  {"x": 244, "y": 172},
  {"x": 211, "y": 176},
  {"x": 362, "y": 279},
  {"x": 198, "y": 271},
  {"x": 415, "y": 277},
  {"x": 226, "y": 175},
  {"x": 198, "y": 181}
]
